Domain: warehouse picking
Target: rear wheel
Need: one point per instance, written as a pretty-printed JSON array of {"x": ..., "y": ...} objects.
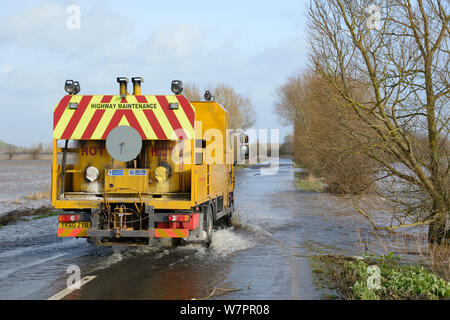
[
  {"x": 208, "y": 225},
  {"x": 229, "y": 216},
  {"x": 93, "y": 240}
]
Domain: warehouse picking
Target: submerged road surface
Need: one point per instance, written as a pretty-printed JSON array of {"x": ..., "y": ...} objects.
[{"x": 265, "y": 255}]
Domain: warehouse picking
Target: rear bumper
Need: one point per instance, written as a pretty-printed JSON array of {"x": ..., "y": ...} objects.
[
  {"x": 163, "y": 228},
  {"x": 155, "y": 233}
]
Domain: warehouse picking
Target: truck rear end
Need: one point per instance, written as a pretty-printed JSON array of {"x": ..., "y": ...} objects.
[{"x": 129, "y": 168}]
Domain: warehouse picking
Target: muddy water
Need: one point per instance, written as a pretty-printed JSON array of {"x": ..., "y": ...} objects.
[{"x": 265, "y": 254}]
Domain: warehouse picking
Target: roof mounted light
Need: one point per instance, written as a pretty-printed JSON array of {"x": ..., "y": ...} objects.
[
  {"x": 69, "y": 86},
  {"x": 77, "y": 87},
  {"x": 72, "y": 87},
  {"x": 208, "y": 95},
  {"x": 177, "y": 86}
]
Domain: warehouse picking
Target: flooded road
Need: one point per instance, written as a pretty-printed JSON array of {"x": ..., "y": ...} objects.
[{"x": 265, "y": 255}]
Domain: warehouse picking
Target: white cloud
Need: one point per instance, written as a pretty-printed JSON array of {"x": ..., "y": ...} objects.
[
  {"x": 45, "y": 27},
  {"x": 42, "y": 53},
  {"x": 6, "y": 68},
  {"x": 173, "y": 43}
]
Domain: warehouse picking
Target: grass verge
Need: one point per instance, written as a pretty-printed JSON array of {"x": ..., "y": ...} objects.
[
  {"x": 351, "y": 278},
  {"x": 38, "y": 195},
  {"x": 307, "y": 182},
  {"x": 18, "y": 215},
  {"x": 297, "y": 165}
]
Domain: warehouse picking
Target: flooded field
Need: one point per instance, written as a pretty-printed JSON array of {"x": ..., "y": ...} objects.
[
  {"x": 265, "y": 255},
  {"x": 22, "y": 178}
]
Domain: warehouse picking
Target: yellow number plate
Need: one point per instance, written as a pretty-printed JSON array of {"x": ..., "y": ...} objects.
[{"x": 74, "y": 225}]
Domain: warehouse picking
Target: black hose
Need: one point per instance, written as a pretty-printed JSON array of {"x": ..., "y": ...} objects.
[{"x": 63, "y": 170}]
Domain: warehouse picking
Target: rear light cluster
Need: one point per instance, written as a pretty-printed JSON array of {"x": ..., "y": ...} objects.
[
  {"x": 69, "y": 218},
  {"x": 179, "y": 217}
]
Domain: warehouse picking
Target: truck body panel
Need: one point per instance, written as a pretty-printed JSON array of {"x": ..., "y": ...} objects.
[{"x": 182, "y": 170}]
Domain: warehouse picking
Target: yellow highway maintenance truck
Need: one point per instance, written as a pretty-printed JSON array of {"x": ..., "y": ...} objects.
[{"x": 129, "y": 168}]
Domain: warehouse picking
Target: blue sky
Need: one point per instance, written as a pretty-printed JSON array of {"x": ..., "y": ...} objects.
[{"x": 251, "y": 45}]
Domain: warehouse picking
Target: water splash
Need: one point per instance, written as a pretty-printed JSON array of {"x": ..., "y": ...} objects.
[{"x": 227, "y": 241}]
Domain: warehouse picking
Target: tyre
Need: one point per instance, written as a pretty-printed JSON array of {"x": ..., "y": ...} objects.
[
  {"x": 208, "y": 225},
  {"x": 229, "y": 216},
  {"x": 93, "y": 241}
]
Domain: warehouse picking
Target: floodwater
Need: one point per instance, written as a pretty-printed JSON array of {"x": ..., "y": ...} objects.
[
  {"x": 19, "y": 178},
  {"x": 265, "y": 255}
]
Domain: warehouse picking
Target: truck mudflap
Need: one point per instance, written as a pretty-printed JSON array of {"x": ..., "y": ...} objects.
[
  {"x": 171, "y": 233},
  {"x": 72, "y": 232}
]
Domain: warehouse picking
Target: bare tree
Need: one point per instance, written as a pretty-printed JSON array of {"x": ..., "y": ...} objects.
[
  {"x": 240, "y": 107},
  {"x": 400, "y": 50},
  {"x": 287, "y": 147},
  {"x": 11, "y": 152},
  {"x": 36, "y": 150},
  {"x": 321, "y": 126},
  {"x": 192, "y": 92}
]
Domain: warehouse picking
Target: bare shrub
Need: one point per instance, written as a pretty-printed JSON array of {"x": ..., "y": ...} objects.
[
  {"x": 414, "y": 245},
  {"x": 287, "y": 147},
  {"x": 322, "y": 143},
  {"x": 38, "y": 195},
  {"x": 11, "y": 152},
  {"x": 36, "y": 151},
  {"x": 192, "y": 92}
]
